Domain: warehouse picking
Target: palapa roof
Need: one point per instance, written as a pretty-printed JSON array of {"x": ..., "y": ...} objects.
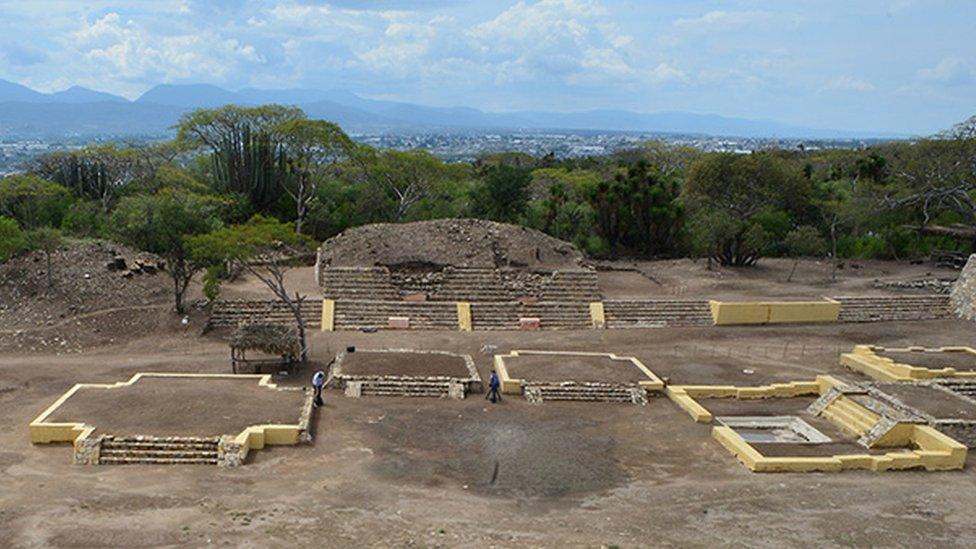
[{"x": 274, "y": 339}]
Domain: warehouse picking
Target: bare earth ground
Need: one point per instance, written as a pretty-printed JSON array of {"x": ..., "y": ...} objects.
[
  {"x": 403, "y": 364},
  {"x": 957, "y": 360},
  {"x": 933, "y": 401},
  {"x": 573, "y": 368},
  {"x": 180, "y": 407},
  {"x": 428, "y": 472}
]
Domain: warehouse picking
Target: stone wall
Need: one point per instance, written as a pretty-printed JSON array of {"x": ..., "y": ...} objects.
[{"x": 963, "y": 294}]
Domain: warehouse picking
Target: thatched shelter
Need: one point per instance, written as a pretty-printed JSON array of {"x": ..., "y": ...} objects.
[{"x": 268, "y": 339}]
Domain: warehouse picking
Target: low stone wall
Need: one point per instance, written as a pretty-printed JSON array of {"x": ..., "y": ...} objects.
[
  {"x": 357, "y": 385},
  {"x": 963, "y": 295}
]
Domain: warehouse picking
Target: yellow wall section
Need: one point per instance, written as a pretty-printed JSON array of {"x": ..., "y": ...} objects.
[
  {"x": 865, "y": 360},
  {"x": 328, "y": 315},
  {"x": 597, "y": 316},
  {"x": 774, "y": 312},
  {"x": 464, "y": 316}
]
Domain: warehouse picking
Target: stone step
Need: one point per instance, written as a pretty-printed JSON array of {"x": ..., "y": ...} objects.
[
  {"x": 143, "y": 453},
  {"x": 118, "y": 460},
  {"x": 159, "y": 446}
]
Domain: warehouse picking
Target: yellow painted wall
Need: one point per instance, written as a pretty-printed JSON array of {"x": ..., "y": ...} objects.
[
  {"x": 597, "y": 315},
  {"x": 328, "y": 315},
  {"x": 464, "y": 316},
  {"x": 773, "y": 312}
]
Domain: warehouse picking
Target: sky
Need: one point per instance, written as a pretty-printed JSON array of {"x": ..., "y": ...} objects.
[{"x": 904, "y": 66}]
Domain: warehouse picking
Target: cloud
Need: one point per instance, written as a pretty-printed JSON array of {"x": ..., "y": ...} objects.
[
  {"x": 848, "y": 83},
  {"x": 22, "y": 55},
  {"x": 950, "y": 71},
  {"x": 713, "y": 22}
]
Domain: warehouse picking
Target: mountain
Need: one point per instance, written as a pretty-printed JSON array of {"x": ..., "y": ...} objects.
[
  {"x": 158, "y": 109},
  {"x": 78, "y": 94},
  {"x": 10, "y": 91},
  {"x": 190, "y": 96}
]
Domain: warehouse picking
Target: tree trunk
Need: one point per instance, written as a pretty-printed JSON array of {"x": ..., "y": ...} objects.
[{"x": 793, "y": 270}]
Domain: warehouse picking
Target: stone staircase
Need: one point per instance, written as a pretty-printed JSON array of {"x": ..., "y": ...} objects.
[
  {"x": 470, "y": 284},
  {"x": 849, "y": 416},
  {"x": 356, "y": 315},
  {"x": 643, "y": 313},
  {"x": 400, "y": 388},
  {"x": 894, "y": 308},
  {"x": 964, "y": 387},
  {"x": 232, "y": 312},
  {"x": 571, "y": 286},
  {"x": 358, "y": 283},
  {"x": 159, "y": 451},
  {"x": 541, "y": 392},
  {"x": 553, "y": 315}
]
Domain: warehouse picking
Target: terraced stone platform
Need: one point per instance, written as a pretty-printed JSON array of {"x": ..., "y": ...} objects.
[{"x": 405, "y": 373}]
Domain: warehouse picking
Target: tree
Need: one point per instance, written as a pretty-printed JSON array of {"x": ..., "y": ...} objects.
[
  {"x": 735, "y": 189},
  {"x": 312, "y": 149},
  {"x": 407, "y": 177},
  {"x": 262, "y": 247},
  {"x": 47, "y": 240},
  {"x": 160, "y": 224},
  {"x": 98, "y": 172},
  {"x": 502, "y": 194},
  {"x": 12, "y": 239},
  {"x": 244, "y": 150},
  {"x": 32, "y": 201},
  {"x": 804, "y": 240}
]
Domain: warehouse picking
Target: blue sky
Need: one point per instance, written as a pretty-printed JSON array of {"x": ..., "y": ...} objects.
[{"x": 886, "y": 65}]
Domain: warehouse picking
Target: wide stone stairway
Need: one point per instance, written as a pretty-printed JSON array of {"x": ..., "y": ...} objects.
[
  {"x": 163, "y": 451},
  {"x": 638, "y": 313},
  {"x": 893, "y": 308}
]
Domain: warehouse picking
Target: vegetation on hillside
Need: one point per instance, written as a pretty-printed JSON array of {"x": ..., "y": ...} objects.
[{"x": 227, "y": 165}]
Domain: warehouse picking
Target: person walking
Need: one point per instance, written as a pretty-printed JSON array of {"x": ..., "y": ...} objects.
[
  {"x": 318, "y": 381},
  {"x": 493, "y": 385}
]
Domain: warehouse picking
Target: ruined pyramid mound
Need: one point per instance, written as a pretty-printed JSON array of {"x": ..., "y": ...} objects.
[{"x": 471, "y": 243}]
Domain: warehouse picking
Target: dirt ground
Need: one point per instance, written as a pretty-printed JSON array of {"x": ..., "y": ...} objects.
[
  {"x": 691, "y": 279},
  {"x": 431, "y": 472},
  {"x": 940, "y": 404},
  {"x": 573, "y": 368},
  {"x": 935, "y": 361},
  {"x": 181, "y": 407},
  {"x": 403, "y": 364}
]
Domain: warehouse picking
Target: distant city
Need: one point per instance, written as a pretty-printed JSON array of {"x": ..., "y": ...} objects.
[{"x": 468, "y": 146}]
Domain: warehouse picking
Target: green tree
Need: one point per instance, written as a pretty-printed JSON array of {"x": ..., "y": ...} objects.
[
  {"x": 99, "y": 173},
  {"x": 313, "y": 148},
  {"x": 406, "y": 177},
  {"x": 160, "y": 224},
  {"x": 803, "y": 241},
  {"x": 12, "y": 239},
  {"x": 734, "y": 190},
  {"x": 33, "y": 201},
  {"x": 502, "y": 194},
  {"x": 244, "y": 150},
  {"x": 262, "y": 247},
  {"x": 47, "y": 240}
]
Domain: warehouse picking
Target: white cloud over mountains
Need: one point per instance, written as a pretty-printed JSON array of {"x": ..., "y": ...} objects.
[{"x": 649, "y": 55}]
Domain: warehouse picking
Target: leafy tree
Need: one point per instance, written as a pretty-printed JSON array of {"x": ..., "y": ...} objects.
[
  {"x": 313, "y": 148},
  {"x": 734, "y": 189},
  {"x": 261, "y": 247},
  {"x": 244, "y": 150},
  {"x": 804, "y": 240},
  {"x": 98, "y": 172},
  {"x": 160, "y": 224},
  {"x": 12, "y": 239},
  {"x": 47, "y": 240},
  {"x": 32, "y": 201},
  {"x": 502, "y": 194},
  {"x": 407, "y": 177}
]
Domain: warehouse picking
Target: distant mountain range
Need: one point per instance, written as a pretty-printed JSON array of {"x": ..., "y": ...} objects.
[{"x": 81, "y": 112}]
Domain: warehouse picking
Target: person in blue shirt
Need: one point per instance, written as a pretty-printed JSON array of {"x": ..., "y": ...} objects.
[
  {"x": 493, "y": 385},
  {"x": 318, "y": 381}
]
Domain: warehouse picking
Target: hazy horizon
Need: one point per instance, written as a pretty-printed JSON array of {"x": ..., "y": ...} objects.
[{"x": 899, "y": 66}]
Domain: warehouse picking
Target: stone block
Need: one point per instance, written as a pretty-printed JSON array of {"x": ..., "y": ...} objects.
[
  {"x": 529, "y": 323},
  {"x": 415, "y": 298},
  {"x": 528, "y": 300},
  {"x": 398, "y": 323},
  {"x": 354, "y": 389}
]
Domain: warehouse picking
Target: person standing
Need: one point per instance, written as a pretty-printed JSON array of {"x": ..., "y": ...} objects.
[
  {"x": 318, "y": 381},
  {"x": 493, "y": 385}
]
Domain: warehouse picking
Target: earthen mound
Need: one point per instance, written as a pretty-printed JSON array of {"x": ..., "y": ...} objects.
[
  {"x": 471, "y": 243},
  {"x": 85, "y": 278}
]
